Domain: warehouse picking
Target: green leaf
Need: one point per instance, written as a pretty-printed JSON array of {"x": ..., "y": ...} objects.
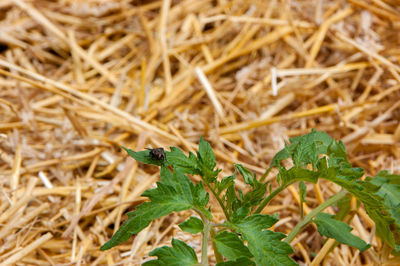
[
  {"x": 232, "y": 202},
  {"x": 385, "y": 176},
  {"x": 382, "y": 224},
  {"x": 280, "y": 156},
  {"x": 179, "y": 255},
  {"x": 174, "y": 193},
  {"x": 294, "y": 174},
  {"x": 337, "y": 153},
  {"x": 189, "y": 165},
  {"x": 373, "y": 204},
  {"x": 143, "y": 156},
  {"x": 191, "y": 193},
  {"x": 305, "y": 152},
  {"x": 247, "y": 175},
  {"x": 339, "y": 231},
  {"x": 239, "y": 262},
  {"x": 391, "y": 195},
  {"x": 360, "y": 190},
  {"x": 225, "y": 183},
  {"x": 265, "y": 245},
  {"x": 193, "y": 225},
  {"x": 207, "y": 162},
  {"x": 304, "y": 149},
  {"x": 231, "y": 246},
  {"x": 254, "y": 196},
  {"x": 389, "y": 190},
  {"x": 206, "y": 154},
  {"x": 319, "y": 138},
  {"x": 345, "y": 176},
  {"x": 241, "y": 212}
]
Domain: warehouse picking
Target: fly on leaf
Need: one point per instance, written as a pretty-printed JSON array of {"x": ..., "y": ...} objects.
[{"x": 157, "y": 154}]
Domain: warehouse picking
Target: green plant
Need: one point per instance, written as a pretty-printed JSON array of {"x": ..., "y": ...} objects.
[{"x": 244, "y": 238}]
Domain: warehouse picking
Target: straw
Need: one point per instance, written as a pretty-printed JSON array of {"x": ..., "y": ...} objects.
[{"x": 78, "y": 79}]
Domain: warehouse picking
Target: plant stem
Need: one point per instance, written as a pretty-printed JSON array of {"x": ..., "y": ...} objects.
[
  {"x": 219, "y": 200},
  {"x": 204, "y": 244},
  {"x": 301, "y": 209},
  {"x": 202, "y": 216},
  {"x": 265, "y": 174},
  {"x": 313, "y": 213},
  {"x": 268, "y": 199}
]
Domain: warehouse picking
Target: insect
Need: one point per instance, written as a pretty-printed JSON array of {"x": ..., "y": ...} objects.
[{"x": 157, "y": 154}]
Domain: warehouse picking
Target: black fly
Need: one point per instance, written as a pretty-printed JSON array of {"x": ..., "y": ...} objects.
[{"x": 157, "y": 154}]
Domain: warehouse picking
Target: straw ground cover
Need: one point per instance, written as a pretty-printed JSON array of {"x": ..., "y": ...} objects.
[{"x": 80, "y": 78}]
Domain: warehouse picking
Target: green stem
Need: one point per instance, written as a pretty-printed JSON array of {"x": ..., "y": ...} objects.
[
  {"x": 313, "y": 213},
  {"x": 202, "y": 216},
  {"x": 265, "y": 174},
  {"x": 204, "y": 244},
  {"x": 219, "y": 201},
  {"x": 269, "y": 198},
  {"x": 218, "y": 255},
  {"x": 301, "y": 209}
]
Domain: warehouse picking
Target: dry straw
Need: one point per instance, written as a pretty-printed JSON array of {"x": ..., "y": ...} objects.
[{"x": 80, "y": 78}]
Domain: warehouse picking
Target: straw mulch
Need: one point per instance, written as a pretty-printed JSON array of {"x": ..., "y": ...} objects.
[{"x": 80, "y": 78}]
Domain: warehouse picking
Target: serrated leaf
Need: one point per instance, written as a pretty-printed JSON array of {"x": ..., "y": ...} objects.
[
  {"x": 194, "y": 194},
  {"x": 238, "y": 262},
  {"x": 364, "y": 191},
  {"x": 189, "y": 165},
  {"x": 321, "y": 140},
  {"x": 257, "y": 221},
  {"x": 305, "y": 153},
  {"x": 295, "y": 174},
  {"x": 344, "y": 175},
  {"x": 180, "y": 254},
  {"x": 391, "y": 195},
  {"x": 193, "y": 225},
  {"x": 384, "y": 176},
  {"x": 373, "y": 204},
  {"x": 232, "y": 203},
  {"x": 254, "y": 196},
  {"x": 359, "y": 190},
  {"x": 338, "y": 230},
  {"x": 231, "y": 246},
  {"x": 304, "y": 149},
  {"x": 143, "y": 156},
  {"x": 280, "y": 156},
  {"x": 247, "y": 175},
  {"x": 382, "y": 224},
  {"x": 351, "y": 173},
  {"x": 207, "y": 162},
  {"x": 240, "y": 213},
  {"x": 225, "y": 183},
  {"x": 337, "y": 153},
  {"x": 389, "y": 190},
  {"x": 174, "y": 193},
  {"x": 265, "y": 245},
  {"x": 206, "y": 153}
]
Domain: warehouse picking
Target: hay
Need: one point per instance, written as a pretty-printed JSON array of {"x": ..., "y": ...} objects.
[{"x": 80, "y": 78}]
